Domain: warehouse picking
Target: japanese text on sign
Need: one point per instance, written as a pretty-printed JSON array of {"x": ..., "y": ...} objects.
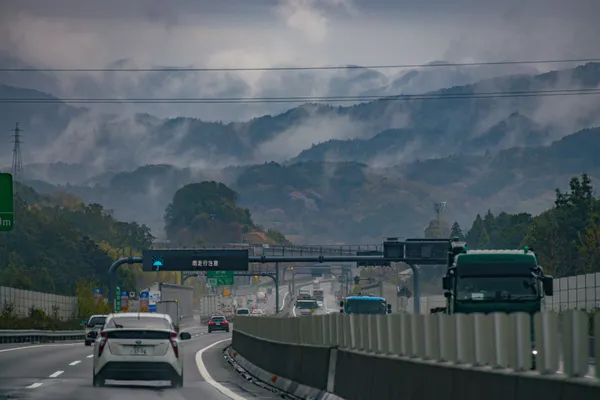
[{"x": 205, "y": 263}]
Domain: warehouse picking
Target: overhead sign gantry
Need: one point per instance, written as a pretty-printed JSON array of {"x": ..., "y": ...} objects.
[
  {"x": 195, "y": 260},
  {"x": 413, "y": 252}
]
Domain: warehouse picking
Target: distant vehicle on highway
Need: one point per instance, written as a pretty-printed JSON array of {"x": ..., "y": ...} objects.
[
  {"x": 218, "y": 323},
  {"x": 307, "y": 307},
  {"x": 261, "y": 297},
  {"x": 242, "y": 311},
  {"x": 320, "y": 304},
  {"x": 258, "y": 312},
  {"x": 365, "y": 304},
  {"x": 318, "y": 294},
  {"x": 94, "y": 324},
  {"x": 139, "y": 347}
]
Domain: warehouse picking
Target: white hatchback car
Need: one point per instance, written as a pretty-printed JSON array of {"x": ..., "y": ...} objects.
[{"x": 139, "y": 347}]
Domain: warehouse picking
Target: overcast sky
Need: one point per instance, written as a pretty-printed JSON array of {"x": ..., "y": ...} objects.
[
  {"x": 263, "y": 33},
  {"x": 228, "y": 33}
]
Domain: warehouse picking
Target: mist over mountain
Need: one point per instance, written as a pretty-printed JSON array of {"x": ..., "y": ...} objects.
[
  {"x": 381, "y": 133},
  {"x": 365, "y": 166},
  {"x": 179, "y": 84},
  {"x": 360, "y": 201}
]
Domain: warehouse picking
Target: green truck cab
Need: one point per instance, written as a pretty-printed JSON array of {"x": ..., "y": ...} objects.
[{"x": 487, "y": 281}]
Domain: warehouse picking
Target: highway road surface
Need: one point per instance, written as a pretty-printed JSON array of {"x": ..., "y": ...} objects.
[
  {"x": 64, "y": 371},
  {"x": 329, "y": 304}
]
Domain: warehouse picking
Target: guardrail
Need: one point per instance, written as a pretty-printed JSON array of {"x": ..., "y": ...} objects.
[
  {"x": 312, "y": 250},
  {"x": 287, "y": 250},
  {"x": 390, "y": 356},
  {"x": 37, "y": 336}
]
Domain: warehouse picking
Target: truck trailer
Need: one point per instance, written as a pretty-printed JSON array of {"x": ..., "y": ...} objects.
[{"x": 184, "y": 296}]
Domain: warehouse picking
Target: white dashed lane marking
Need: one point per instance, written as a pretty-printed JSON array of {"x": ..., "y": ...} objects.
[
  {"x": 75, "y": 362},
  {"x": 34, "y": 385},
  {"x": 56, "y": 374}
]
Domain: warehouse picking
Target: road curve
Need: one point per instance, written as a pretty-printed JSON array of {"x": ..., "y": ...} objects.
[{"x": 64, "y": 371}]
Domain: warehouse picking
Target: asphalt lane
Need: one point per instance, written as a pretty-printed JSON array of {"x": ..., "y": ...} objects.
[
  {"x": 329, "y": 302},
  {"x": 64, "y": 371}
]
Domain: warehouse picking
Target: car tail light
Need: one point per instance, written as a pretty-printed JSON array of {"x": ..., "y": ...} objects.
[
  {"x": 225, "y": 322},
  {"x": 173, "y": 340},
  {"x": 211, "y": 323},
  {"x": 102, "y": 343}
]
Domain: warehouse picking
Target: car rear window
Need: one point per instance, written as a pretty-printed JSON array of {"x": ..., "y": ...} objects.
[
  {"x": 97, "y": 321},
  {"x": 133, "y": 322},
  {"x": 138, "y": 334},
  {"x": 217, "y": 319}
]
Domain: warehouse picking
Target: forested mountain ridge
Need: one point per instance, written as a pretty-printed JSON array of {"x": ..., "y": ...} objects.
[{"x": 382, "y": 132}]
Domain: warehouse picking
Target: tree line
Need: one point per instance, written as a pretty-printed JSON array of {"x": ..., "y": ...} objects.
[
  {"x": 565, "y": 238},
  {"x": 58, "y": 241},
  {"x": 207, "y": 213}
]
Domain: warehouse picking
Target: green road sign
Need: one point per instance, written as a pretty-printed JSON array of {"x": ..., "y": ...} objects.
[
  {"x": 118, "y": 299},
  {"x": 224, "y": 278},
  {"x": 6, "y": 202}
]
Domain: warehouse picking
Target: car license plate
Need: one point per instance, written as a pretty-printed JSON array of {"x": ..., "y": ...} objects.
[
  {"x": 138, "y": 351},
  {"x": 217, "y": 323}
]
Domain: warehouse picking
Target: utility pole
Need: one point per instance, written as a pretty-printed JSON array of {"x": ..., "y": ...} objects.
[{"x": 17, "y": 161}]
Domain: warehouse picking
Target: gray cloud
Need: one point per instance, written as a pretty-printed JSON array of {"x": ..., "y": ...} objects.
[{"x": 238, "y": 33}]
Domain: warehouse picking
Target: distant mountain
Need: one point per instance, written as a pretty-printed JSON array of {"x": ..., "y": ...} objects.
[
  {"x": 437, "y": 128},
  {"x": 353, "y": 202},
  {"x": 174, "y": 83},
  {"x": 381, "y": 133}
]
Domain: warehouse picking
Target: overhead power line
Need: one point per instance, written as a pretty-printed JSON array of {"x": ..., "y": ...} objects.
[
  {"x": 325, "y": 99},
  {"x": 306, "y": 68}
]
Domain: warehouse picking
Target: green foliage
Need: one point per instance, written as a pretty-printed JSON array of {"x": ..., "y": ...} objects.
[
  {"x": 206, "y": 213},
  {"x": 86, "y": 302},
  {"x": 277, "y": 237},
  {"x": 456, "y": 232},
  {"x": 36, "y": 319},
  {"x": 565, "y": 238},
  {"x": 58, "y": 241},
  {"x": 437, "y": 229}
]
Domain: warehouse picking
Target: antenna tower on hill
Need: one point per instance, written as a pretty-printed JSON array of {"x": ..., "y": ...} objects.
[{"x": 438, "y": 208}]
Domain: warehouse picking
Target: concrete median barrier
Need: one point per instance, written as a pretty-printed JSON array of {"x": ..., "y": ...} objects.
[
  {"x": 420, "y": 357},
  {"x": 307, "y": 365},
  {"x": 360, "y": 376}
]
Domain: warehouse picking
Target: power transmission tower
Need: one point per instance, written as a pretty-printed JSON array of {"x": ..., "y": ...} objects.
[{"x": 17, "y": 161}]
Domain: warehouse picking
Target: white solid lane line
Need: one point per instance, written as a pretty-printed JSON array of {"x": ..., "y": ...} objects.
[
  {"x": 75, "y": 362},
  {"x": 34, "y": 385},
  {"x": 283, "y": 302},
  {"x": 38, "y": 346},
  {"x": 209, "y": 379},
  {"x": 56, "y": 374}
]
